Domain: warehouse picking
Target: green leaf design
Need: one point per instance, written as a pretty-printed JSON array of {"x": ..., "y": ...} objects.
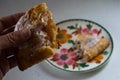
[
  {"x": 79, "y": 51},
  {"x": 71, "y": 42},
  {"x": 83, "y": 65},
  {"x": 65, "y": 66},
  {"x": 102, "y": 37},
  {"x": 105, "y": 52},
  {"x": 79, "y": 67},
  {"x": 89, "y": 26},
  {"x": 71, "y": 27},
  {"x": 76, "y": 25}
]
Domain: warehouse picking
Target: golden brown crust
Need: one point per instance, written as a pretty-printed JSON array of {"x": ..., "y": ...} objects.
[
  {"x": 95, "y": 50},
  {"x": 36, "y": 49},
  {"x": 27, "y": 60},
  {"x": 40, "y": 15}
]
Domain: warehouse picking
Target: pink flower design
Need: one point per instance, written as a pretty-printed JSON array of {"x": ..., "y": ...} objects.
[
  {"x": 88, "y": 31},
  {"x": 65, "y": 57},
  {"x": 95, "y": 31}
]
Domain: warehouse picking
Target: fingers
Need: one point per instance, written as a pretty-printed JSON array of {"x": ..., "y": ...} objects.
[
  {"x": 1, "y": 75},
  {"x": 14, "y": 39},
  {"x": 12, "y": 61},
  {"x": 10, "y": 51},
  {"x": 9, "y": 21},
  {"x": 4, "y": 65},
  {"x": 9, "y": 55},
  {"x": 7, "y": 30}
]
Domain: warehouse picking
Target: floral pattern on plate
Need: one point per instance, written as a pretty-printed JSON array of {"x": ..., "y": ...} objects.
[{"x": 68, "y": 56}]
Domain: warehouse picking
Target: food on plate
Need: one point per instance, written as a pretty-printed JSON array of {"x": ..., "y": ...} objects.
[
  {"x": 91, "y": 46},
  {"x": 42, "y": 42}
]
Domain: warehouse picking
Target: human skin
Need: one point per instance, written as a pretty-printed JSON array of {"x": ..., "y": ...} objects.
[{"x": 9, "y": 42}]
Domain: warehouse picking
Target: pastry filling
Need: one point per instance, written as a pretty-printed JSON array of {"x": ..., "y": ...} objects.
[{"x": 42, "y": 26}]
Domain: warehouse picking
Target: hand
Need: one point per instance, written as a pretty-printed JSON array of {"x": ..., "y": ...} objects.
[{"x": 9, "y": 42}]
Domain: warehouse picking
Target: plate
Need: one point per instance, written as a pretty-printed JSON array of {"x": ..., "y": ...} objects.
[{"x": 68, "y": 56}]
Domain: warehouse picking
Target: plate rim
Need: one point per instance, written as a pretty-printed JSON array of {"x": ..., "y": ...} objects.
[{"x": 97, "y": 67}]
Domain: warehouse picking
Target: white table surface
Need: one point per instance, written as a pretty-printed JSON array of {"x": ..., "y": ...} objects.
[{"x": 104, "y": 12}]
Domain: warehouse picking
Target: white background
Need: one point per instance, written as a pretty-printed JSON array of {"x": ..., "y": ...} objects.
[{"x": 104, "y": 12}]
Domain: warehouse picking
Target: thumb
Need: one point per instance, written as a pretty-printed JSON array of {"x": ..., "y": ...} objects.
[{"x": 13, "y": 39}]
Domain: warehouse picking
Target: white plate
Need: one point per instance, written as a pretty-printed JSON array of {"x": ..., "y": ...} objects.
[{"x": 67, "y": 60}]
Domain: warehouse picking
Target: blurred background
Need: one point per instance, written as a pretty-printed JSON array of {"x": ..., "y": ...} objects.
[{"x": 104, "y": 12}]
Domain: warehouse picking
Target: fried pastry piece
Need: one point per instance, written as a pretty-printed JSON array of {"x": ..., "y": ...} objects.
[
  {"x": 91, "y": 46},
  {"x": 43, "y": 36},
  {"x": 95, "y": 50}
]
